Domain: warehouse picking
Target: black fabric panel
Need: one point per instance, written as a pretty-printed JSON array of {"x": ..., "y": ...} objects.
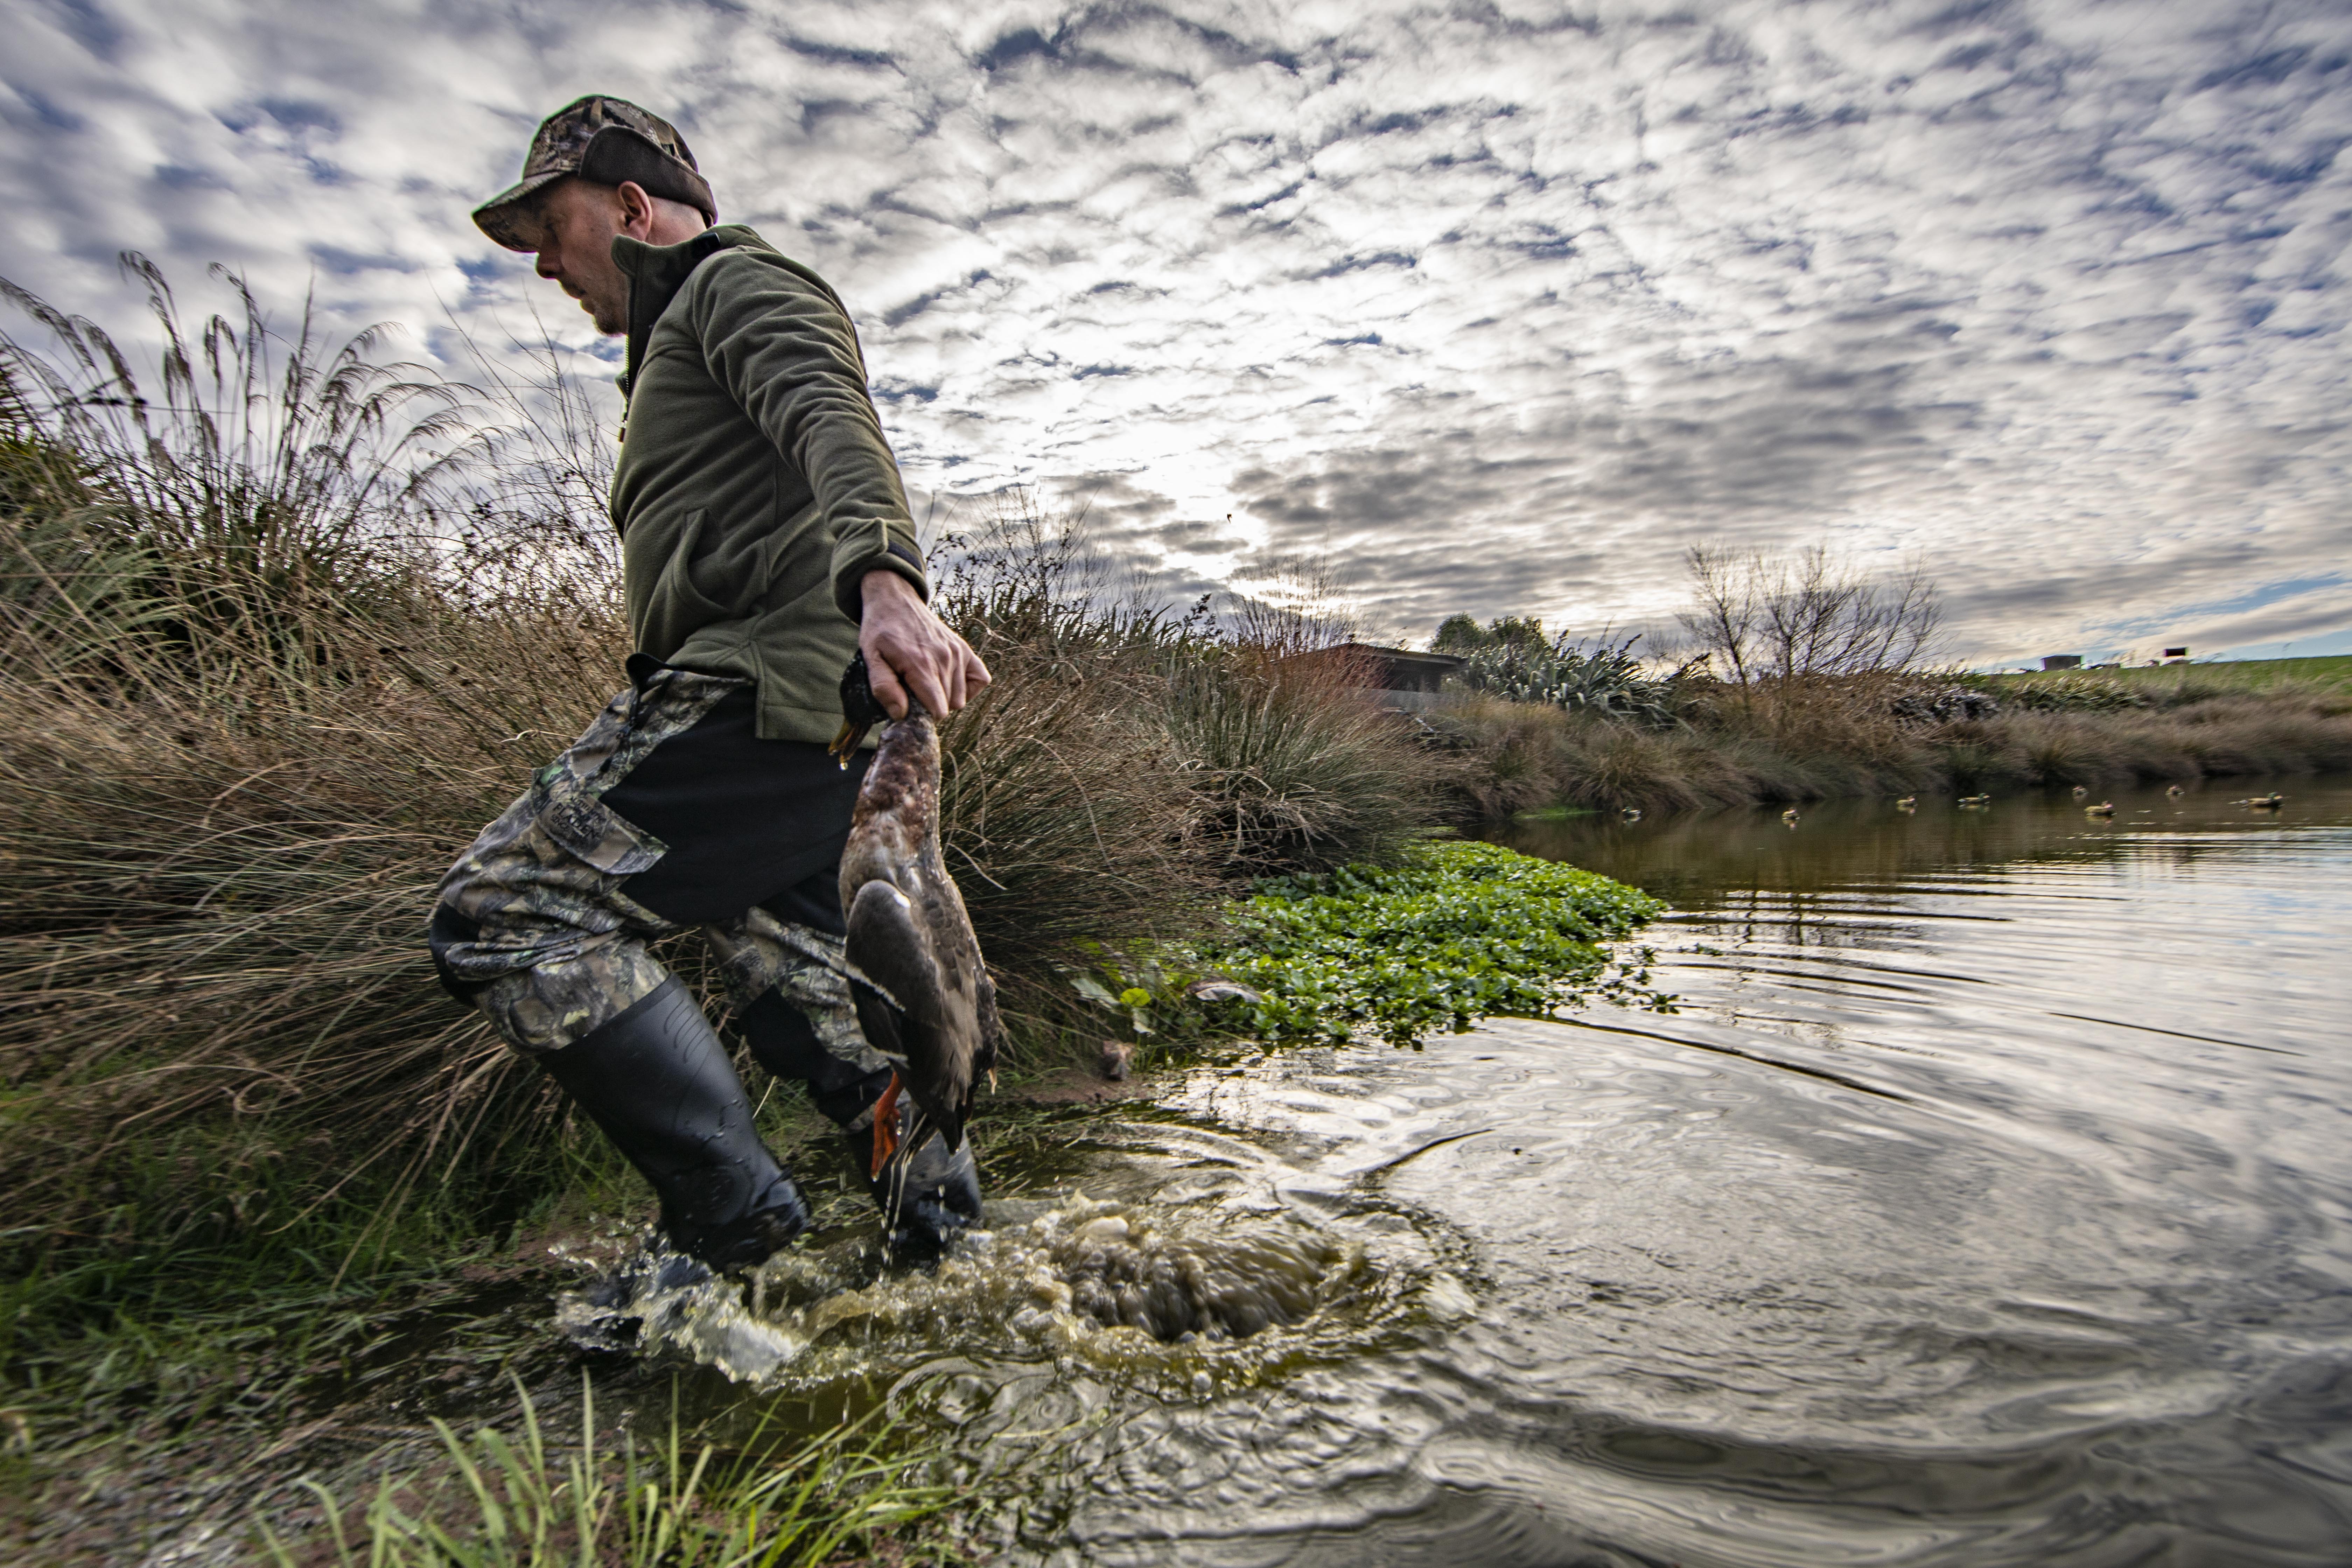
[
  {"x": 450, "y": 927},
  {"x": 747, "y": 821}
]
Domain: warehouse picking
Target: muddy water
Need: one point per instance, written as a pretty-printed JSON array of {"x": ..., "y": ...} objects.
[{"x": 1987, "y": 1203}]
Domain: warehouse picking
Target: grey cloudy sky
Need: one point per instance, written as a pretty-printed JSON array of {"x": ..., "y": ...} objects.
[{"x": 1500, "y": 304}]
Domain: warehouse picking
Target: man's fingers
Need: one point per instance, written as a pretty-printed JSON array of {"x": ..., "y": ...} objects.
[
  {"x": 883, "y": 681},
  {"x": 924, "y": 681}
]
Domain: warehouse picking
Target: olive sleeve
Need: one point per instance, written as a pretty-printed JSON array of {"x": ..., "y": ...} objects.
[{"x": 783, "y": 347}]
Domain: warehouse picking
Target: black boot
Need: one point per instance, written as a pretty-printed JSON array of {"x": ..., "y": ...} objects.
[
  {"x": 659, "y": 1082},
  {"x": 942, "y": 1193}
]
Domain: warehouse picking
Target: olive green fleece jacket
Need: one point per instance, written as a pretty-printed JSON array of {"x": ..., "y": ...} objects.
[{"x": 755, "y": 490}]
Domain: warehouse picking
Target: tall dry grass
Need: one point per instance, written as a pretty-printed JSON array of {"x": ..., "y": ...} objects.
[
  {"x": 280, "y": 639},
  {"x": 260, "y": 687}
]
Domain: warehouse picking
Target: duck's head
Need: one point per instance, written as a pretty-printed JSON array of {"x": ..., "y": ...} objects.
[{"x": 859, "y": 710}]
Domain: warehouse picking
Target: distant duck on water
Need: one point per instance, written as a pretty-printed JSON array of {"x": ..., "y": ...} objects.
[
  {"x": 2175, "y": 791},
  {"x": 1976, "y": 800},
  {"x": 1790, "y": 817},
  {"x": 2105, "y": 809},
  {"x": 1908, "y": 803},
  {"x": 2082, "y": 793},
  {"x": 2267, "y": 801},
  {"x": 1631, "y": 813}
]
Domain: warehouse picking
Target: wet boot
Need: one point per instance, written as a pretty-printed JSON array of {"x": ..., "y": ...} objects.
[
  {"x": 942, "y": 1194},
  {"x": 659, "y": 1082}
]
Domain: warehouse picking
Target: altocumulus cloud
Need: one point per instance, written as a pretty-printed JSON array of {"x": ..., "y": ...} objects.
[{"x": 1500, "y": 305}]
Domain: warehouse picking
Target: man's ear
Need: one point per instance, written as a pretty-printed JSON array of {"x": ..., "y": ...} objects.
[{"x": 636, "y": 211}]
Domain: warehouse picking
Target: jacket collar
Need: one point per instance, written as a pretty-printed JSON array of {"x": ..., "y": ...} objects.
[{"x": 657, "y": 272}]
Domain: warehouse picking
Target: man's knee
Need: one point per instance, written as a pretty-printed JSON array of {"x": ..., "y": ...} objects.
[
  {"x": 541, "y": 996},
  {"x": 787, "y": 1043}
]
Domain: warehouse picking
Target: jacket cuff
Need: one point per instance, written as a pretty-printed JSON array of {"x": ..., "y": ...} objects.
[{"x": 896, "y": 555}]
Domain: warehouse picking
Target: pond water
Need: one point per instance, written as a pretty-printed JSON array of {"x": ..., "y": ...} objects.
[{"x": 1986, "y": 1202}]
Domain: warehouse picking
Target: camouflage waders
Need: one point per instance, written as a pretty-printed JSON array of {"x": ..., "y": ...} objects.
[{"x": 538, "y": 928}]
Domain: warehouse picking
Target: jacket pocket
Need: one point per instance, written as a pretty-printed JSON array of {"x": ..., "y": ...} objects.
[
  {"x": 727, "y": 571},
  {"x": 679, "y": 591}
]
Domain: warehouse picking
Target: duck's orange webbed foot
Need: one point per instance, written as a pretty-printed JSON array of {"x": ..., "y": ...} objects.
[{"x": 886, "y": 1127}]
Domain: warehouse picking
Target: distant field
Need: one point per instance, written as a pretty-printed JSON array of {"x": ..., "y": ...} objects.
[{"x": 2245, "y": 674}]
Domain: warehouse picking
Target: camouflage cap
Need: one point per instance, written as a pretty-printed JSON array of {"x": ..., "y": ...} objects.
[{"x": 606, "y": 139}]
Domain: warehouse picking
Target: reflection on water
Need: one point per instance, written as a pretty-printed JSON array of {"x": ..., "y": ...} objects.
[{"x": 1986, "y": 1203}]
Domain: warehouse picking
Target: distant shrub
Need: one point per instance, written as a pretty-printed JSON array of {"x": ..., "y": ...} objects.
[
  {"x": 1513, "y": 659},
  {"x": 2072, "y": 694}
]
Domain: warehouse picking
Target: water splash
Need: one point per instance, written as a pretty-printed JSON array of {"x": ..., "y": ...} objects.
[
  {"x": 1148, "y": 1290},
  {"x": 652, "y": 1299}
]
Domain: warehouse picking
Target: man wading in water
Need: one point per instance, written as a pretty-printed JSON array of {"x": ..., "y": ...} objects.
[{"x": 765, "y": 539}]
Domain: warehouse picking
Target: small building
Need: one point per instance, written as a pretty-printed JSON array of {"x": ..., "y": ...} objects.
[
  {"x": 2061, "y": 662},
  {"x": 2172, "y": 654},
  {"x": 1398, "y": 677}
]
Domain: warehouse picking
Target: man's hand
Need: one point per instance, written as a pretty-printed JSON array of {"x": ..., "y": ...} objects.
[{"x": 909, "y": 649}]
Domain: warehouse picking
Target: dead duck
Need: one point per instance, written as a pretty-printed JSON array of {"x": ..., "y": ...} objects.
[
  {"x": 923, "y": 996},
  {"x": 2105, "y": 809}
]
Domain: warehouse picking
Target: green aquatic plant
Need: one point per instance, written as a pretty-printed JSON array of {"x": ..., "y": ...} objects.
[{"x": 1458, "y": 933}]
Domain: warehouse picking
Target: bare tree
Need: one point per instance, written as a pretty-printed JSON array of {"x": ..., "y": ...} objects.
[
  {"x": 1774, "y": 617},
  {"x": 1723, "y": 620}
]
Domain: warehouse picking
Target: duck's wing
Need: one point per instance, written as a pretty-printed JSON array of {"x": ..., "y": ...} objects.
[
  {"x": 878, "y": 1018},
  {"x": 885, "y": 944},
  {"x": 927, "y": 1028}
]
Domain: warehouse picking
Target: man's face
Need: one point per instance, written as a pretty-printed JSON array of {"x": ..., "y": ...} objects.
[{"x": 575, "y": 224}]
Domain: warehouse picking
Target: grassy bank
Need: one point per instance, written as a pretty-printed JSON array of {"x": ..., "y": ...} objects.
[
  {"x": 1891, "y": 734},
  {"x": 2326, "y": 673}
]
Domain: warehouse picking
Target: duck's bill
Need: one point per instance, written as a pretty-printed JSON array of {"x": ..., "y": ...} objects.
[{"x": 847, "y": 740}]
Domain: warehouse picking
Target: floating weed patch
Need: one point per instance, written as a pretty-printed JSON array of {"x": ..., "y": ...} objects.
[{"x": 1458, "y": 933}]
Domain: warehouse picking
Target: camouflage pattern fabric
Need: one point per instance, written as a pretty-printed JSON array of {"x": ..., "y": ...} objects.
[{"x": 560, "y": 948}]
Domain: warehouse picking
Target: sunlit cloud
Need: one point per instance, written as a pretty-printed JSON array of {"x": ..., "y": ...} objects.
[{"x": 1498, "y": 308}]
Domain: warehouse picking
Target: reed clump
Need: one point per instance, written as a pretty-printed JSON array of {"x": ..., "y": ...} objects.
[{"x": 282, "y": 636}]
